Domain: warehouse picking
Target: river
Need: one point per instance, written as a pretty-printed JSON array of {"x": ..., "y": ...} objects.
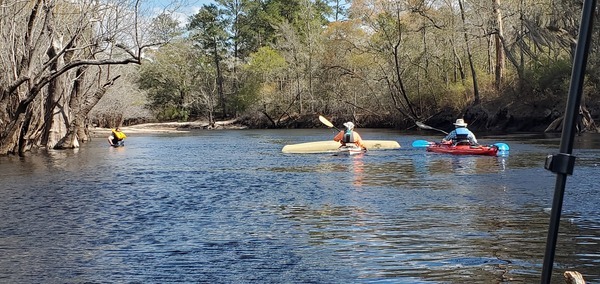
[{"x": 226, "y": 206}]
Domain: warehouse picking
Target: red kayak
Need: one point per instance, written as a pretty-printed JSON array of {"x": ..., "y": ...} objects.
[{"x": 463, "y": 149}]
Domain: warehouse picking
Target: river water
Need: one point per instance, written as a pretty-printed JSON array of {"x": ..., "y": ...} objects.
[{"x": 228, "y": 207}]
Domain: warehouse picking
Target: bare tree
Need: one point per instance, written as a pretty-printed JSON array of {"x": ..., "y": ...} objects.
[
  {"x": 500, "y": 56},
  {"x": 52, "y": 70},
  {"x": 476, "y": 95}
]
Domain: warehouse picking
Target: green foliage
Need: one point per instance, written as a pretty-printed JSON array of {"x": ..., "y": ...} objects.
[
  {"x": 266, "y": 61},
  {"x": 208, "y": 29},
  {"x": 282, "y": 56},
  {"x": 260, "y": 21},
  {"x": 255, "y": 27},
  {"x": 174, "y": 82},
  {"x": 248, "y": 94},
  {"x": 455, "y": 95},
  {"x": 549, "y": 79},
  {"x": 165, "y": 28},
  {"x": 171, "y": 113},
  {"x": 264, "y": 67},
  {"x": 387, "y": 31}
]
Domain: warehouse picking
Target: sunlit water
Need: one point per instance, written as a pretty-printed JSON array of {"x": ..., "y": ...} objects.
[{"x": 229, "y": 207}]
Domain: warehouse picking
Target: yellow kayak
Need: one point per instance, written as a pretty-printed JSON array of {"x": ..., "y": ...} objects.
[{"x": 332, "y": 146}]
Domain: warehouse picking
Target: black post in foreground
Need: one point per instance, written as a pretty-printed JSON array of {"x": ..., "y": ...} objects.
[{"x": 563, "y": 163}]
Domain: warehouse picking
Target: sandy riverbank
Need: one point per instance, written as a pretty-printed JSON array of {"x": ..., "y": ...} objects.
[{"x": 166, "y": 127}]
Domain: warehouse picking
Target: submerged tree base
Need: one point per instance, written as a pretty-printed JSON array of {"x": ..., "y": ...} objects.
[{"x": 573, "y": 277}]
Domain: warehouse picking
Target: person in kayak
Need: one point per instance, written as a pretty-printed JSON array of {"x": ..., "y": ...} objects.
[
  {"x": 116, "y": 137},
  {"x": 461, "y": 135},
  {"x": 349, "y": 136}
]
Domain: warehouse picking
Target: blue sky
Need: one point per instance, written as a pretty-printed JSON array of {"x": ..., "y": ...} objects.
[{"x": 181, "y": 9}]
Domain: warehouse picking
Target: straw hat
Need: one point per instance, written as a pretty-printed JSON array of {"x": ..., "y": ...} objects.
[
  {"x": 460, "y": 122},
  {"x": 349, "y": 125}
]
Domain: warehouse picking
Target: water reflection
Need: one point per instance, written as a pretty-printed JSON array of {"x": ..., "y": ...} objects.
[{"x": 466, "y": 165}]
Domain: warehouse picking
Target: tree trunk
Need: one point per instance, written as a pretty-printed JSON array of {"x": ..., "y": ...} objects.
[
  {"x": 42, "y": 102},
  {"x": 500, "y": 57},
  {"x": 9, "y": 140},
  {"x": 399, "y": 83},
  {"x": 55, "y": 106},
  {"x": 72, "y": 137},
  {"x": 476, "y": 97},
  {"x": 220, "y": 81},
  {"x": 459, "y": 65}
]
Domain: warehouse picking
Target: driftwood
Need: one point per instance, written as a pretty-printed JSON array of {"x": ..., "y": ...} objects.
[
  {"x": 585, "y": 122},
  {"x": 556, "y": 125},
  {"x": 573, "y": 277}
]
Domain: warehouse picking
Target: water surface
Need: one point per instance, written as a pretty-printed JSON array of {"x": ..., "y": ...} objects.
[{"x": 229, "y": 207}]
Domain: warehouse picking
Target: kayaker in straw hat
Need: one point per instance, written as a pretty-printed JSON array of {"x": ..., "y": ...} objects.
[
  {"x": 461, "y": 134},
  {"x": 349, "y": 136}
]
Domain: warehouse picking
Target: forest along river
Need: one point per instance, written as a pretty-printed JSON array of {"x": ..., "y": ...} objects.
[{"x": 229, "y": 207}]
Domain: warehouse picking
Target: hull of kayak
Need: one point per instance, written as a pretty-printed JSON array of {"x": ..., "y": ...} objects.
[
  {"x": 463, "y": 149},
  {"x": 332, "y": 146},
  {"x": 349, "y": 150}
]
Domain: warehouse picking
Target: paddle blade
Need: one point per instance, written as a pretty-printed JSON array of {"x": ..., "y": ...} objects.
[
  {"x": 325, "y": 121},
  {"x": 502, "y": 146},
  {"x": 425, "y": 126},
  {"x": 421, "y": 143}
]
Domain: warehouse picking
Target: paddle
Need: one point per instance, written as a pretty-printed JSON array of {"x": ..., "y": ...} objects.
[
  {"x": 327, "y": 122},
  {"x": 425, "y": 126},
  {"x": 423, "y": 143}
]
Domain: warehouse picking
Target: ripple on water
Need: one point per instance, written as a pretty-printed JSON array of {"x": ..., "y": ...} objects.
[{"x": 204, "y": 207}]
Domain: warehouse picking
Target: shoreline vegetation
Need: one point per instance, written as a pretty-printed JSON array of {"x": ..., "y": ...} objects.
[{"x": 284, "y": 65}]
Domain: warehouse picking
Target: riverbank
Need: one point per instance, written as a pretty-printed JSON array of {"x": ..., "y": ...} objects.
[{"x": 167, "y": 127}]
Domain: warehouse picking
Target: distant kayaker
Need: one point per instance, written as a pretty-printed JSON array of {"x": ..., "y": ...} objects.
[
  {"x": 349, "y": 136},
  {"x": 116, "y": 137},
  {"x": 461, "y": 134}
]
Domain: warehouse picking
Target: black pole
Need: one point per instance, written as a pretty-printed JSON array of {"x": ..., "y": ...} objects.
[{"x": 562, "y": 164}]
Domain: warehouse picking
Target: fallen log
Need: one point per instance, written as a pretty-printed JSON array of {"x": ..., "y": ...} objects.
[{"x": 584, "y": 123}]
